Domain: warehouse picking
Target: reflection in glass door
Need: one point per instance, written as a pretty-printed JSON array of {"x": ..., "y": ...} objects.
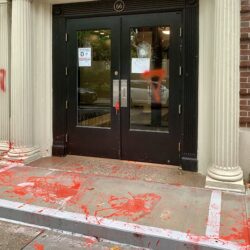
[
  {"x": 151, "y": 59},
  {"x": 124, "y": 87},
  {"x": 94, "y": 78},
  {"x": 149, "y": 78},
  {"x": 93, "y": 122}
]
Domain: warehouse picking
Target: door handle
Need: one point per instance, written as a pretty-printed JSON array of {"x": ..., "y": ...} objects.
[
  {"x": 124, "y": 93},
  {"x": 116, "y": 87}
]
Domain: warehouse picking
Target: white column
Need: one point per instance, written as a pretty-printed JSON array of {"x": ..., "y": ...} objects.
[
  {"x": 42, "y": 75},
  {"x": 206, "y": 51},
  {"x": 225, "y": 172},
  {"x": 4, "y": 66},
  {"x": 22, "y": 96}
]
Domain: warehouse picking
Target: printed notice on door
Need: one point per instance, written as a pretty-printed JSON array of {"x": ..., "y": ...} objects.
[
  {"x": 84, "y": 57},
  {"x": 140, "y": 65}
]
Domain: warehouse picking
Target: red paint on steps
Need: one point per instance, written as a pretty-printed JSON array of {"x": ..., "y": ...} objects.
[
  {"x": 6, "y": 177},
  {"x": 85, "y": 210},
  {"x": 47, "y": 189},
  {"x": 135, "y": 208},
  {"x": 38, "y": 246},
  {"x": 241, "y": 235}
]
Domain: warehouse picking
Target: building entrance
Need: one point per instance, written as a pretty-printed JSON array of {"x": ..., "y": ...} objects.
[
  {"x": 125, "y": 80},
  {"x": 124, "y": 87}
]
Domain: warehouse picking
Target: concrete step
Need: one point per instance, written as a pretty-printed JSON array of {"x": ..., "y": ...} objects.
[
  {"x": 14, "y": 236},
  {"x": 140, "y": 213},
  {"x": 118, "y": 231}
]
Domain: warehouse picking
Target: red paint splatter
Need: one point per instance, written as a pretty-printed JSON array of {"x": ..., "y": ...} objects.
[
  {"x": 241, "y": 235},
  {"x": 177, "y": 184},
  {"x": 157, "y": 243},
  {"x": 88, "y": 242},
  {"x": 136, "y": 207},
  {"x": 115, "y": 169},
  {"x": 160, "y": 73},
  {"x": 47, "y": 189},
  {"x": 155, "y": 72},
  {"x": 85, "y": 210},
  {"x": 6, "y": 177},
  {"x": 2, "y": 79},
  {"x": 38, "y": 246}
]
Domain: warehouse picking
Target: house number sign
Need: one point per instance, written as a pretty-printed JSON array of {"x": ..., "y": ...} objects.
[{"x": 119, "y": 6}]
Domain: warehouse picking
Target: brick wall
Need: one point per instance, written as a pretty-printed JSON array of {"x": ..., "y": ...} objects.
[{"x": 245, "y": 64}]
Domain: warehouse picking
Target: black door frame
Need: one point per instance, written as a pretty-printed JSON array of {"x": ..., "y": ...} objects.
[
  {"x": 93, "y": 137},
  {"x": 189, "y": 115}
]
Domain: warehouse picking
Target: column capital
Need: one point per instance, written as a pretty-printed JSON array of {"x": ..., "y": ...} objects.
[{"x": 4, "y": 1}]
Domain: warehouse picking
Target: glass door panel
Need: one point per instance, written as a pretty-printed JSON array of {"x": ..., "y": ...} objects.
[
  {"x": 94, "y": 78},
  {"x": 151, "y": 59},
  {"x": 93, "y": 57},
  {"x": 149, "y": 78}
]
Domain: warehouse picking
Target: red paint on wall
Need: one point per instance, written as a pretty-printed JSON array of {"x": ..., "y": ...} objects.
[
  {"x": 38, "y": 246},
  {"x": 2, "y": 80},
  {"x": 135, "y": 208}
]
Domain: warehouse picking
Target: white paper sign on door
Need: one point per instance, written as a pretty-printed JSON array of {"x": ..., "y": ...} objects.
[
  {"x": 84, "y": 57},
  {"x": 140, "y": 65}
]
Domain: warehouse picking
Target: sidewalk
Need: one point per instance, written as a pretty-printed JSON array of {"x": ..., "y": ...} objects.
[
  {"x": 146, "y": 205},
  {"x": 17, "y": 237}
]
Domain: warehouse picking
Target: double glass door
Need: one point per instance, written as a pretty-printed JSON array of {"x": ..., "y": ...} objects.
[{"x": 124, "y": 87}]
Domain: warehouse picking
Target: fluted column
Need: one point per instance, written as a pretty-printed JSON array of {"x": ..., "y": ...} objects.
[
  {"x": 22, "y": 96},
  {"x": 4, "y": 70},
  {"x": 225, "y": 104}
]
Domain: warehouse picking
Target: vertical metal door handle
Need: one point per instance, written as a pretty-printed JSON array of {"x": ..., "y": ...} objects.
[
  {"x": 124, "y": 93},
  {"x": 116, "y": 93}
]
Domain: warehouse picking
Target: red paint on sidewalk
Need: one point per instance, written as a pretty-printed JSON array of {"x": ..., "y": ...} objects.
[{"x": 89, "y": 242}]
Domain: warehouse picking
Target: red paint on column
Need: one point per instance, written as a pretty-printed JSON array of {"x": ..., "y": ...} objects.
[{"x": 2, "y": 80}]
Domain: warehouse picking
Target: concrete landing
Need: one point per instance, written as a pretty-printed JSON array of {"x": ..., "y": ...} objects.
[{"x": 121, "y": 205}]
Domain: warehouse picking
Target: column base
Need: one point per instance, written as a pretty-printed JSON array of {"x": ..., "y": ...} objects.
[
  {"x": 23, "y": 155},
  {"x": 4, "y": 146},
  {"x": 233, "y": 186},
  {"x": 225, "y": 175}
]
